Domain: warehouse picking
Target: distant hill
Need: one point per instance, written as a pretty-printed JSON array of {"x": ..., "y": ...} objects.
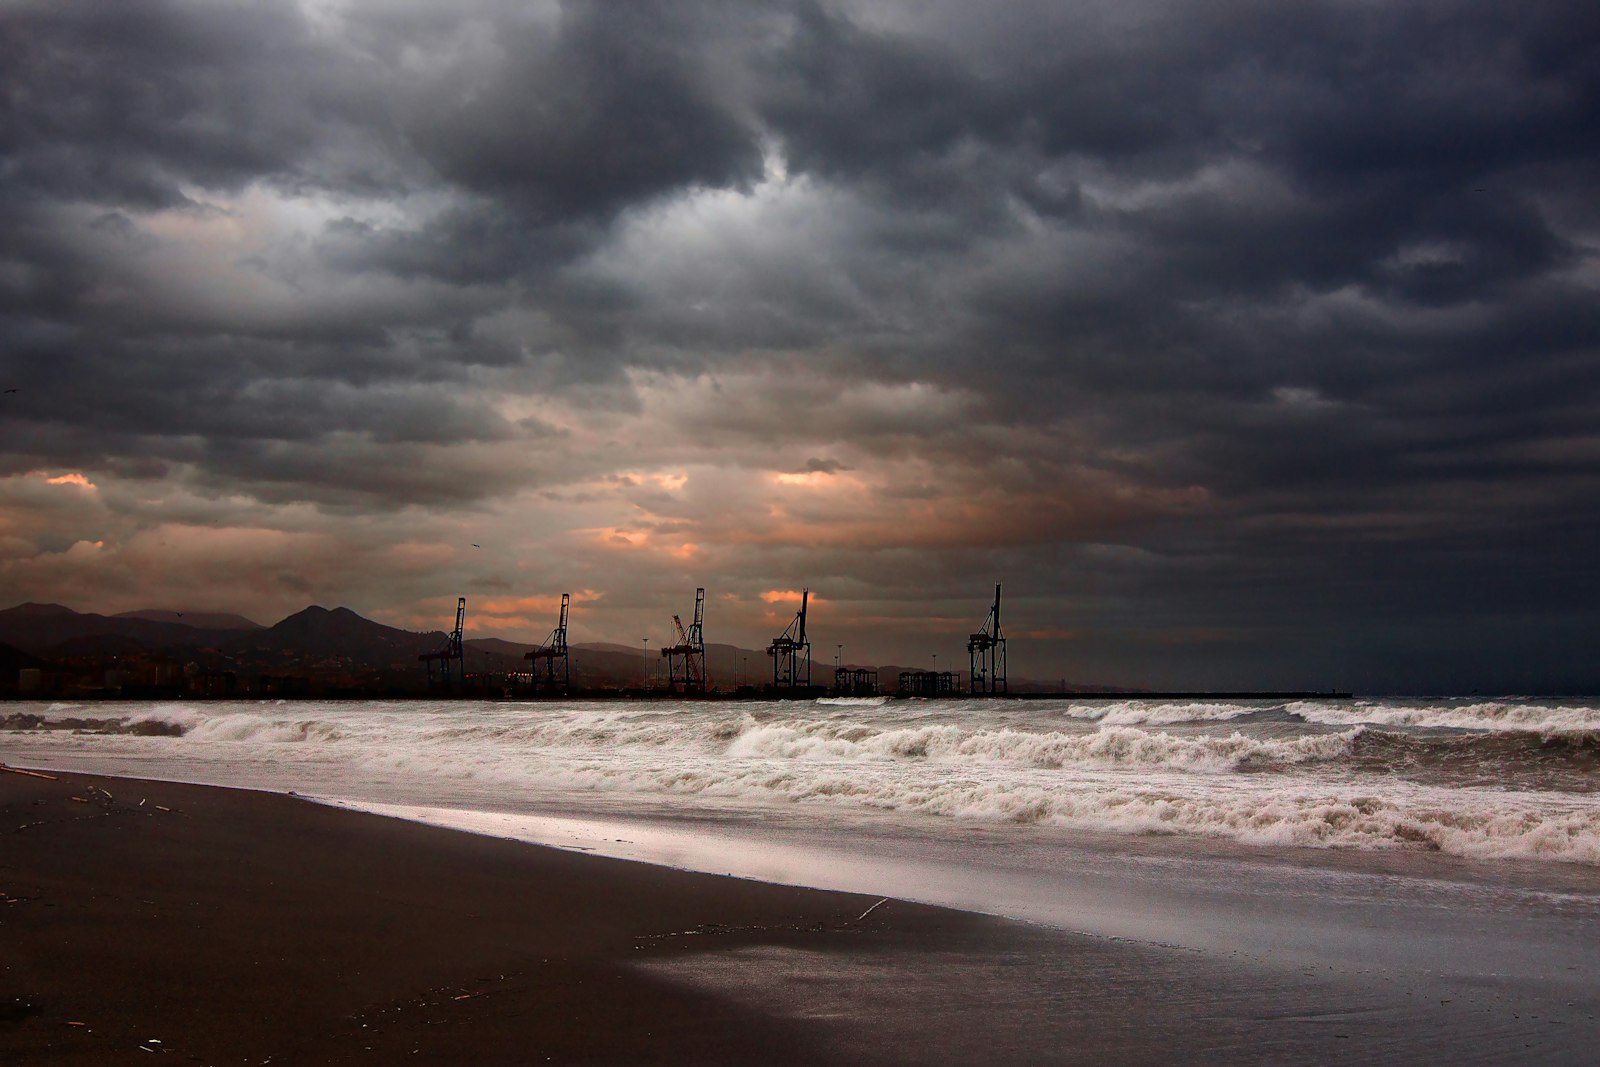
[
  {"x": 599, "y": 665},
  {"x": 204, "y": 620},
  {"x": 339, "y": 632},
  {"x": 498, "y": 647},
  {"x": 340, "y": 644},
  {"x": 39, "y": 628},
  {"x": 93, "y": 646},
  {"x": 31, "y": 610},
  {"x": 608, "y": 646}
]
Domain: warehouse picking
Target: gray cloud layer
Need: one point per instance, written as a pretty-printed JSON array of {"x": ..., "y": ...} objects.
[{"x": 1252, "y": 341}]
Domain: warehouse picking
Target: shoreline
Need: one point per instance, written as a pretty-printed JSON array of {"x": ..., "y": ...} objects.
[
  {"x": 232, "y": 924},
  {"x": 227, "y": 921},
  {"x": 1518, "y": 873}
]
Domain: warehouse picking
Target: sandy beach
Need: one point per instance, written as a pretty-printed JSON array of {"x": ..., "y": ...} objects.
[{"x": 228, "y": 926}]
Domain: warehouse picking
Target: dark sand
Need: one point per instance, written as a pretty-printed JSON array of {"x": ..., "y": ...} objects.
[{"x": 143, "y": 919}]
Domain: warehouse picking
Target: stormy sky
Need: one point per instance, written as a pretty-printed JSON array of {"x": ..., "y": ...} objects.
[{"x": 1250, "y": 344}]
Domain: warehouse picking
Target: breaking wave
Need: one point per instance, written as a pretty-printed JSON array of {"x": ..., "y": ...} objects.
[
  {"x": 1117, "y": 746},
  {"x": 1501, "y": 716},
  {"x": 1487, "y": 780},
  {"x": 143, "y": 727},
  {"x": 1481, "y": 823},
  {"x": 195, "y": 726},
  {"x": 1160, "y": 713}
]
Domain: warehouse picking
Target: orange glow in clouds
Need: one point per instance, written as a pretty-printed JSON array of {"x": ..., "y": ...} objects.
[
  {"x": 72, "y": 479},
  {"x": 791, "y": 596},
  {"x": 527, "y": 605},
  {"x": 803, "y": 478},
  {"x": 611, "y": 537}
]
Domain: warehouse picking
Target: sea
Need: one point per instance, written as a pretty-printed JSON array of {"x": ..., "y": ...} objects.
[
  {"x": 1449, "y": 847},
  {"x": 1513, "y": 779}
]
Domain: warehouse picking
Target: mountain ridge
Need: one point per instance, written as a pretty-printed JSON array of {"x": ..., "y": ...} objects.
[
  {"x": 200, "y": 620},
  {"x": 339, "y": 640}
]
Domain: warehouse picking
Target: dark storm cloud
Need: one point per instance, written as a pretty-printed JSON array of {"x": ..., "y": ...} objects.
[
  {"x": 1328, "y": 267},
  {"x": 602, "y": 113},
  {"x": 129, "y": 103}
]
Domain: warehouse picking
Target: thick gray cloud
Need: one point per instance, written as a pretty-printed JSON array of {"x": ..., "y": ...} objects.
[{"x": 1249, "y": 341}]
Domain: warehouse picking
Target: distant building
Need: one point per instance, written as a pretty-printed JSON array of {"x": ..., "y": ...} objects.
[
  {"x": 855, "y": 682},
  {"x": 930, "y": 683}
]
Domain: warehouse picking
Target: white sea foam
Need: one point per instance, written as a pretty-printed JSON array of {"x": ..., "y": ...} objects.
[
  {"x": 741, "y": 735},
  {"x": 273, "y": 731},
  {"x": 989, "y": 762},
  {"x": 1114, "y": 746},
  {"x": 1156, "y": 713},
  {"x": 1477, "y": 823},
  {"x": 1498, "y": 716}
]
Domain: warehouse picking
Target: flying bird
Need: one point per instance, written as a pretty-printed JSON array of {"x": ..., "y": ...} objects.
[
  {"x": 11, "y": 390},
  {"x": 477, "y": 546}
]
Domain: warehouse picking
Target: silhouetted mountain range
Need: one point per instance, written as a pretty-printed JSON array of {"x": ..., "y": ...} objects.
[
  {"x": 316, "y": 642},
  {"x": 40, "y": 628},
  {"x": 337, "y": 648},
  {"x": 319, "y": 631},
  {"x": 202, "y": 620}
]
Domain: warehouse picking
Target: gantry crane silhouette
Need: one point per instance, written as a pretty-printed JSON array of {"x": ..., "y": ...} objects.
[
  {"x": 791, "y": 652},
  {"x": 452, "y": 652},
  {"x": 686, "y": 660},
  {"x": 557, "y": 672},
  {"x": 987, "y": 648}
]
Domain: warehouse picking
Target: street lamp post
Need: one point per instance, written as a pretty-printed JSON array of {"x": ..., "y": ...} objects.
[{"x": 644, "y": 677}]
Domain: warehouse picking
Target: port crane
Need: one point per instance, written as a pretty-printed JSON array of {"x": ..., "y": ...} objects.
[
  {"x": 987, "y": 648},
  {"x": 686, "y": 660},
  {"x": 452, "y": 652},
  {"x": 552, "y": 653},
  {"x": 791, "y": 652}
]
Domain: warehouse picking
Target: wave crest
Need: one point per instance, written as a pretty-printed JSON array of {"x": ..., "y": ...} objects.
[{"x": 1115, "y": 746}]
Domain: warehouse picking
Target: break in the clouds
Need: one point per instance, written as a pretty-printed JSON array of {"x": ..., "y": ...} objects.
[{"x": 1248, "y": 343}]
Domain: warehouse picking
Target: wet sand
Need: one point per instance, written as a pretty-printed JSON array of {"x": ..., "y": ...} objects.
[{"x": 229, "y": 927}]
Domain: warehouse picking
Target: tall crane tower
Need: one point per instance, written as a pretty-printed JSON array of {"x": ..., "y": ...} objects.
[
  {"x": 686, "y": 660},
  {"x": 791, "y": 652},
  {"x": 987, "y": 648},
  {"x": 552, "y": 654},
  {"x": 451, "y": 652}
]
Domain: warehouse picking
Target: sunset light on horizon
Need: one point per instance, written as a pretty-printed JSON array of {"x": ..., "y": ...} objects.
[{"x": 1240, "y": 364}]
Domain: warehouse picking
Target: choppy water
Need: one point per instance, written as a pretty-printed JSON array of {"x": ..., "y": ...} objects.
[
  {"x": 1511, "y": 779},
  {"x": 1431, "y": 864}
]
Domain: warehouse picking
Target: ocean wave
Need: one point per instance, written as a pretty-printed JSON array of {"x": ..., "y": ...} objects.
[
  {"x": 192, "y": 725},
  {"x": 574, "y": 733},
  {"x": 251, "y": 728},
  {"x": 1116, "y": 746},
  {"x": 1484, "y": 794},
  {"x": 1568, "y": 762},
  {"x": 1486, "y": 746},
  {"x": 1499, "y": 716},
  {"x": 1159, "y": 713},
  {"x": 141, "y": 727},
  {"x": 1472, "y": 823},
  {"x": 1171, "y": 738}
]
